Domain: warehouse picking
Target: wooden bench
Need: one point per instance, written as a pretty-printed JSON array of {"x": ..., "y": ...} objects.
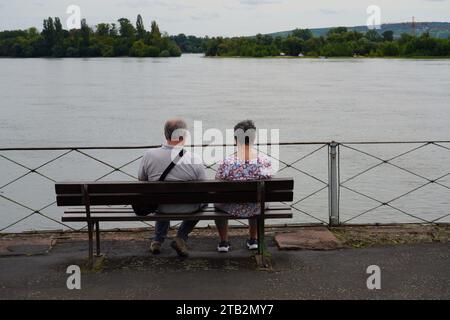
[{"x": 98, "y": 199}]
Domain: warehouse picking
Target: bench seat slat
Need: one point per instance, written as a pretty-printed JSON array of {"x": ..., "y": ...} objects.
[
  {"x": 172, "y": 198},
  {"x": 112, "y": 210},
  {"x": 79, "y": 217}
]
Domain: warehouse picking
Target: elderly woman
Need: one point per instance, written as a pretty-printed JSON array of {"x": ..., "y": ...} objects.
[{"x": 245, "y": 164}]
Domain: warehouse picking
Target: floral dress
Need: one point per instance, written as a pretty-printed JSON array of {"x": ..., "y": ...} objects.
[{"x": 233, "y": 168}]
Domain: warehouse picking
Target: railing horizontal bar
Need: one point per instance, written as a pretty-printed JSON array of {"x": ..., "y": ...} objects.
[
  {"x": 213, "y": 145},
  {"x": 152, "y": 146},
  {"x": 394, "y": 142}
]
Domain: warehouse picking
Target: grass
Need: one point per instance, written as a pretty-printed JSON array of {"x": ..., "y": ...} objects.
[
  {"x": 369, "y": 236},
  {"x": 99, "y": 264}
]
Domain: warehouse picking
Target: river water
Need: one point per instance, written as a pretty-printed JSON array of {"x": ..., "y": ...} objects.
[{"x": 124, "y": 101}]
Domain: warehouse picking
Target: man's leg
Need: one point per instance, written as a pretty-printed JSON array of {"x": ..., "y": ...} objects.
[
  {"x": 186, "y": 227},
  {"x": 179, "y": 243},
  {"x": 161, "y": 229}
]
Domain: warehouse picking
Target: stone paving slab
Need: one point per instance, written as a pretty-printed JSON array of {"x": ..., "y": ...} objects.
[
  {"x": 26, "y": 245},
  {"x": 319, "y": 238}
]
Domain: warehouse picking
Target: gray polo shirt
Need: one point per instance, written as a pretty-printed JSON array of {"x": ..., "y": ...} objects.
[{"x": 189, "y": 168}]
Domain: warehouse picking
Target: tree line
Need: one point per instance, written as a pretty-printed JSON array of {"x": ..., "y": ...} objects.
[
  {"x": 338, "y": 42},
  {"x": 126, "y": 39},
  {"x": 105, "y": 40}
]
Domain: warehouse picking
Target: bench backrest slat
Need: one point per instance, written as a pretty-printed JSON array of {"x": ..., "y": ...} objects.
[
  {"x": 212, "y": 191},
  {"x": 170, "y": 186}
]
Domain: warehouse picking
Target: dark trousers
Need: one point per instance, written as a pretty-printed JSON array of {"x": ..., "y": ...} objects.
[{"x": 162, "y": 227}]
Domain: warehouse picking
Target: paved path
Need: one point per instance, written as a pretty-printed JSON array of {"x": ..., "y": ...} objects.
[{"x": 420, "y": 271}]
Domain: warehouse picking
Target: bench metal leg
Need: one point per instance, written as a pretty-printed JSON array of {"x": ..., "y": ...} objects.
[
  {"x": 97, "y": 238},
  {"x": 91, "y": 244},
  {"x": 261, "y": 240}
]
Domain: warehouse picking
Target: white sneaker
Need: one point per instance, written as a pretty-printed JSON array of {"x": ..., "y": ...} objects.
[
  {"x": 223, "y": 246},
  {"x": 252, "y": 244}
]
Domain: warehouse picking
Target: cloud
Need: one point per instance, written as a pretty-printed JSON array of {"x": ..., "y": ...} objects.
[
  {"x": 174, "y": 5},
  {"x": 205, "y": 16},
  {"x": 168, "y": 4},
  {"x": 259, "y": 2},
  {"x": 328, "y": 11}
]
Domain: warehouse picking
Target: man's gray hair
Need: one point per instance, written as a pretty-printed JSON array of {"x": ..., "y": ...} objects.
[{"x": 174, "y": 129}]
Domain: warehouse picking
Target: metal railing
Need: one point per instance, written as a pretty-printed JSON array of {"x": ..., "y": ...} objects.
[
  {"x": 335, "y": 182},
  {"x": 427, "y": 177}
]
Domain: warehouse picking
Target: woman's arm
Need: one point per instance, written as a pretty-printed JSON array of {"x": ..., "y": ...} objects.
[
  {"x": 222, "y": 171},
  {"x": 266, "y": 168}
]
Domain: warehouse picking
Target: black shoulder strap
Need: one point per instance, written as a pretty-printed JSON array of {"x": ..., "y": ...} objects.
[{"x": 171, "y": 165}]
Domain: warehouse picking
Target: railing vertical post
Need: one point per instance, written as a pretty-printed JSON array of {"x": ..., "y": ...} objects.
[{"x": 333, "y": 184}]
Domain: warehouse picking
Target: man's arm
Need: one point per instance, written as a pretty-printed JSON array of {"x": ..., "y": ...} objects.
[
  {"x": 142, "y": 174},
  {"x": 201, "y": 172},
  {"x": 197, "y": 165}
]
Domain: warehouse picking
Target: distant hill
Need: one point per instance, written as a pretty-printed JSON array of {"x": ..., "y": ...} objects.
[{"x": 436, "y": 29}]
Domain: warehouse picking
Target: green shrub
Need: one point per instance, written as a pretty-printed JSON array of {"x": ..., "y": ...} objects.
[{"x": 164, "y": 54}]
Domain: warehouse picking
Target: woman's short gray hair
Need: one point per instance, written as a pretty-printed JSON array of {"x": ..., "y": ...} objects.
[{"x": 245, "y": 132}]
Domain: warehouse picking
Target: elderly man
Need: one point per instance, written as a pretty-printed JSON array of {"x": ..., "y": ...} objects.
[{"x": 187, "y": 167}]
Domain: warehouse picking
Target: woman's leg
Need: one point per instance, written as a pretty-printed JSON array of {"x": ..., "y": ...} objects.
[
  {"x": 222, "y": 228},
  {"x": 253, "y": 228}
]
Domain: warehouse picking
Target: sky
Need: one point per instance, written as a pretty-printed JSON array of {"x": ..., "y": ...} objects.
[{"x": 224, "y": 17}]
